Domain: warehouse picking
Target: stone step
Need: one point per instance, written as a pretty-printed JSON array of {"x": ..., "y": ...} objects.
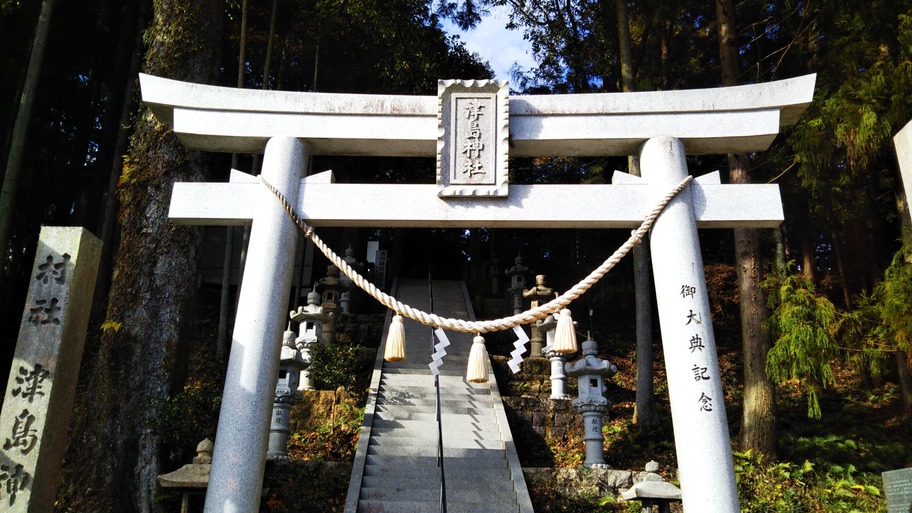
[
  {"x": 430, "y": 391},
  {"x": 494, "y": 483},
  {"x": 429, "y": 473},
  {"x": 451, "y": 408},
  {"x": 401, "y": 413},
  {"x": 429, "y": 434},
  {"x": 430, "y": 462},
  {"x": 376, "y": 506},
  {"x": 393, "y": 395},
  {"x": 424, "y": 370},
  {"x": 430, "y": 451},
  {"x": 414, "y": 395},
  {"x": 418, "y": 426},
  {"x": 430, "y": 377},
  {"x": 475, "y": 496},
  {"x": 452, "y": 442},
  {"x": 422, "y": 361}
]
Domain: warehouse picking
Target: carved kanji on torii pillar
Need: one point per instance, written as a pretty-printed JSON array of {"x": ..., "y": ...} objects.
[{"x": 466, "y": 124}]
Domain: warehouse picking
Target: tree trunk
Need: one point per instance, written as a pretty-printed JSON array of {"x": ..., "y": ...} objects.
[
  {"x": 154, "y": 282},
  {"x": 758, "y": 419},
  {"x": 644, "y": 414},
  {"x": 108, "y": 221},
  {"x": 809, "y": 263},
  {"x": 20, "y": 131},
  {"x": 905, "y": 380}
]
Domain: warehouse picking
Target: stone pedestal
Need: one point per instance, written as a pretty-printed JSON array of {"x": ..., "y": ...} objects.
[
  {"x": 592, "y": 434},
  {"x": 286, "y": 395},
  {"x": 558, "y": 375},
  {"x": 558, "y": 360}
]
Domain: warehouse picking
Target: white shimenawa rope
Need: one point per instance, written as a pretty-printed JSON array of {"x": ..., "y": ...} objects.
[{"x": 505, "y": 323}]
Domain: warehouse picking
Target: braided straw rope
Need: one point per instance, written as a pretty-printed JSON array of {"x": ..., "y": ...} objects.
[{"x": 505, "y": 323}]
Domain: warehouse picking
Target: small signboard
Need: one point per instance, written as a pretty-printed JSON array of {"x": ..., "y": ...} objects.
[
  {"x": 472, "y": 144},
  {"x": 898, "y": 489}
]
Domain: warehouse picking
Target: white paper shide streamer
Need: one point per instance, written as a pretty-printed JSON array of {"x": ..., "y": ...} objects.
[
  {"x": 439, "y": 351},
  {"x": 520, "y": 346}
]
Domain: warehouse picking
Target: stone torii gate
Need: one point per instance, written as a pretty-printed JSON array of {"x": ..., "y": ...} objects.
[{"x": 661, "y": 127}]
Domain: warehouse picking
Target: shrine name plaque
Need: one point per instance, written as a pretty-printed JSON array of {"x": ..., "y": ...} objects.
[{"x": 472, "y": 144}]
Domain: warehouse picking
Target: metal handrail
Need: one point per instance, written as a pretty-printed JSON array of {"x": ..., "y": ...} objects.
[{"x": 443, "y": 501}]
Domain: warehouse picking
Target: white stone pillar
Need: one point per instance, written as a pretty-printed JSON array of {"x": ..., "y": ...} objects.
[
  {"x": 702, "y": 441},
  {"x": 236, "y": 481}
]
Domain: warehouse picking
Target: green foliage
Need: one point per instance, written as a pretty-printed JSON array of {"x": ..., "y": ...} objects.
[
  {"x": 305, "y": 487},
  {"x": 183, "y": 420},
  {"x": 568, "y": 451},
  {"x": 803, "y": 325},
  {"x": 335, "y": 440},
  {"x": 836, "y": 451},
  {"x": 337, "y": 365},
  {"x": 770, "y": 487},
  {"x": 893, "y": 295},
  {"x": 548, "y": 500},
  {"x": 882, "y": 321}
]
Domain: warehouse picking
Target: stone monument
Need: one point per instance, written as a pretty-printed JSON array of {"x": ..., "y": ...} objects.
[
  {"x": 898, "y": 489},
  {"x": 660, "y": 127},
  {"x": 42, "y": 381}
]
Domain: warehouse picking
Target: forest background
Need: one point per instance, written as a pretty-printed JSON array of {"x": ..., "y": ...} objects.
[{"x": 80, "y": 150}]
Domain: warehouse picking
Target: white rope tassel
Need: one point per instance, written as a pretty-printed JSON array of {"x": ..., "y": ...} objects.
[
  {"x": 478, "y": 361},
  {"x": 395, "y": 341},
  {"x": 565, "y": 334}
]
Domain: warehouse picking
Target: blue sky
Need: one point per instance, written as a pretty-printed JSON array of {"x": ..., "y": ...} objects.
[{"x": 495, "y": 44}]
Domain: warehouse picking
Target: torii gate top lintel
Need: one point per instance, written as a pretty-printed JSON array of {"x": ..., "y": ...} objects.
[{"x": 708, "y": 121}]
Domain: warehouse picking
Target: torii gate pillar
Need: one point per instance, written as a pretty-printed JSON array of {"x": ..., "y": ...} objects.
[
  {"x": 705, "y": 466},
  {"x": 243, "y": 428}
]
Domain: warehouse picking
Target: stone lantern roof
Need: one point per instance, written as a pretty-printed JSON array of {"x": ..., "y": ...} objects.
[
  {"x": 590, "y": 364},
  {"x": 191, "y": 475}
]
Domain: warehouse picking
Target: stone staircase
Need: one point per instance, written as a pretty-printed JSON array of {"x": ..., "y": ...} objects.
[{"x": 396, "y": 468}]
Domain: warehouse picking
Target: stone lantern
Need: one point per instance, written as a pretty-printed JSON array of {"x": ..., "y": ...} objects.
[
  {"x": 558, "y": 374},
  {"x": 591, "y": 373},
  {"x": 330, "y": 288},
  {"x": 286, "y": 396},
  {"x": 345, "y": 296},
  {"x": 191, "y": 479},
  {"x": 653, "y": 491},
  {"x": 517, "y": 275},
  {"x": 310, "y": 319},
  {"x": 538, "y": 295}
]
